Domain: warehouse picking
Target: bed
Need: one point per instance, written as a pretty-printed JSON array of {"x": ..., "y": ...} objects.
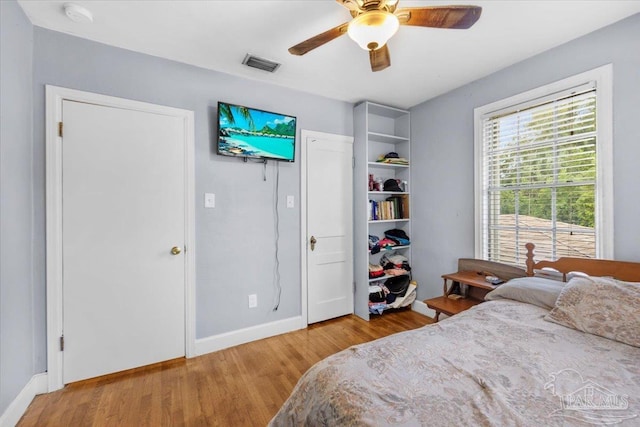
[{"x": 567, "y": 355}]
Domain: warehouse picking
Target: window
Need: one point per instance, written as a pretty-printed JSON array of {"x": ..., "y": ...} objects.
[{"x": 543, "y": 172}]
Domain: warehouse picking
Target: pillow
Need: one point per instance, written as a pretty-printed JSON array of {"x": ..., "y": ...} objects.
[
  {"x": 532, "y": 290},
  {"x": 600, "y": 306}
]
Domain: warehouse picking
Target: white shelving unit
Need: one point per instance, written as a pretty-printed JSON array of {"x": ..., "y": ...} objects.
[{"x": 379, "y": 130}]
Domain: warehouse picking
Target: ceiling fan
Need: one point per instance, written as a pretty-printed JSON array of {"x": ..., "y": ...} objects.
[{"x": 376, "y": 21}]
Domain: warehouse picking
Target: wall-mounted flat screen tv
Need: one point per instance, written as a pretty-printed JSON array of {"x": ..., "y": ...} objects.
[{"x": 248, "y": 132}]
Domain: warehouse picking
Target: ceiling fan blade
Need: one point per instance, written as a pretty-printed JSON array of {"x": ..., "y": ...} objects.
[
  {"x": 319, "y": 40},
  {"x": 379, "y": 58},
  {"x": 460, "y": 17}
]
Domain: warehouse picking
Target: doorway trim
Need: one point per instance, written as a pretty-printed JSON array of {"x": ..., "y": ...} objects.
[
  {"x": 304, "y": 136},
  {"x": 54, "y": 98}
]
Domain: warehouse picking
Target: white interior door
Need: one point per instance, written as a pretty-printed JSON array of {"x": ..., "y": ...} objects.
[
  {"x": 329, "y": 226},
  {"x": 123, "y": 210}
]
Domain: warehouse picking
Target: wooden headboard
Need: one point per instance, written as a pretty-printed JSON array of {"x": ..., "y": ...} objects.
[
  {"x": 621, "y": 270},
  {"x": 490, "y": 268}
]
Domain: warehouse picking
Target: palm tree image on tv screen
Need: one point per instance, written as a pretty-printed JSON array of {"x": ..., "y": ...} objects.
[{"x": 247, "y": 132}]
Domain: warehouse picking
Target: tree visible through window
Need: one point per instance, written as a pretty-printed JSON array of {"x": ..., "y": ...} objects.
[{"x": 539, "y": 179}]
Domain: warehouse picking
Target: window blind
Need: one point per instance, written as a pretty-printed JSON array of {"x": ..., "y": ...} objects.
[{"x": 539, "y": 178}]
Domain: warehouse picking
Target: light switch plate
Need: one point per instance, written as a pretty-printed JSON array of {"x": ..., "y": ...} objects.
[
  {"x": 253, "y": 301},
  {"x": 290, "y": 202},
  {"x": 209, "y": 200}
]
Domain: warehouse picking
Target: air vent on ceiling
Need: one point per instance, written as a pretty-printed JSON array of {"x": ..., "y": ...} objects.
[{"x": 260, "y": 63}]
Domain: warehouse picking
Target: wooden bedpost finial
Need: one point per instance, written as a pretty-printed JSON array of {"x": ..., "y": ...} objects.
[{"x": 530, "y": 262}]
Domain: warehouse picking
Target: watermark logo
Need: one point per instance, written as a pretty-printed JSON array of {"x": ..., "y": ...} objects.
[{"x": 587, "y": 401}]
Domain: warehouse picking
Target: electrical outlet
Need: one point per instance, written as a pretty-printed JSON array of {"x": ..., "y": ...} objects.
[
  {"x": 290, "y": 202},
  {"x": 209, "y": 200},
  {"x": 253, "y": 301}
]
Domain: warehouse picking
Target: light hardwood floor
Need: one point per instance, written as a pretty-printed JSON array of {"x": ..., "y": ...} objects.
[{"x": 239, "y": 386}]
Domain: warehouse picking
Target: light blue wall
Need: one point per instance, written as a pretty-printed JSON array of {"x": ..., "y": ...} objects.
[
  {"x": 234, "y": 241},
  {"x": 16, "y": 202},
  {"x": 442, "y": 143}
]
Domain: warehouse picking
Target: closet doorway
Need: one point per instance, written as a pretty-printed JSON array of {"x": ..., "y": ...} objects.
[
  {"x": 327, "y": 225},
  {"x": 119, "y": 234}
]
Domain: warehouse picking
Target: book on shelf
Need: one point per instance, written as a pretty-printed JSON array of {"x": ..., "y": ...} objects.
[{"x": 394, "y": 207}]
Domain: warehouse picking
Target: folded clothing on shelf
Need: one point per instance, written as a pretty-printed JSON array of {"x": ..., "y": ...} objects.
[
  {"x": 397, "y": 235},
  {"x": 386, "y": 243},
  {"x": 374, "y": 244},
  {"x": 392, "y": 158},
  {"x": 375, "y": 271},
  {"x": 393, "y": 260},
  {"x": 395, "y": 272}
]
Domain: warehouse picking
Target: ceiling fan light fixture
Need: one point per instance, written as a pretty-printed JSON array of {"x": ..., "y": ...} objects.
[{"x": 373, "y": 29}]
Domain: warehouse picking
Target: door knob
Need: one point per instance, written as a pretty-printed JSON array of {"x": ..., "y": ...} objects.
[
  {"x": 313, "y": 242},
  {"x": 175, "y": 250}
]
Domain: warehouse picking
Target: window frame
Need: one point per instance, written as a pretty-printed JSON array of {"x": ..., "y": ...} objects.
[{"x": 601, "y": 77}]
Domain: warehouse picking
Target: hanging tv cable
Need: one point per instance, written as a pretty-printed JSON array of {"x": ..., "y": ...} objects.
[{"x": 276, "y": 226}]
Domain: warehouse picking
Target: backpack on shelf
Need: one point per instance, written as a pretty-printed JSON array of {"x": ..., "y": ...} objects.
[
  {"x": 398, "y": 285},
  {"x": 376, "y": 294}
]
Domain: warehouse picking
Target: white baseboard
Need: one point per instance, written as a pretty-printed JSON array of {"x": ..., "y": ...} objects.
[
  {"x": 420, "y": 307},
  {"x": 242, "y": 336},
  {"x": 36, "y": 385}
]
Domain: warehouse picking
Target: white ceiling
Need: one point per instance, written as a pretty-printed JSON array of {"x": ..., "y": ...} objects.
[{"x": 425, "y": 62}]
